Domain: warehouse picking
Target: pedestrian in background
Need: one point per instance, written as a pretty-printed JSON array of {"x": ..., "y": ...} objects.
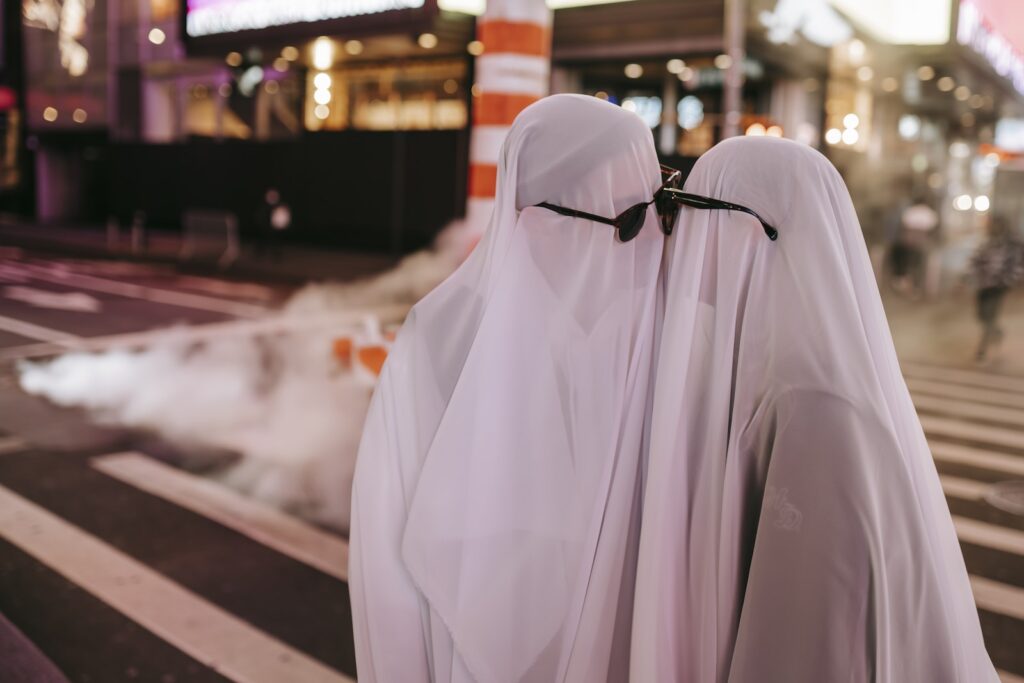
[
  {"x": 918, "y": 227},
  {"x": 273, "y": 218},
  {"x": 996, "y": 266}
]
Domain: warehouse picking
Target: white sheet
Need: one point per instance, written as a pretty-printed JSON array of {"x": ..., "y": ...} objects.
[
  {"x": 794, "y": 527},
  {"x": 495, "y": 512}
]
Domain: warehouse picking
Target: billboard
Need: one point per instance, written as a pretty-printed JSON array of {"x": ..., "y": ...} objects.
[
  {"x": 980, "y": 26},
  {"x": 219, "y": 17},
  {"x": 908, "y": 22}
]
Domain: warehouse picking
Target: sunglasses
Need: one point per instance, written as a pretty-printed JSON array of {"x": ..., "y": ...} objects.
[
  {"x": 628, "y": 223},
  {"x": 697, "y": 201},
  {"x": 667, "y": 200}
]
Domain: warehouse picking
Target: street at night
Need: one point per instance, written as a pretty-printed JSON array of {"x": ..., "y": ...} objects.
[
  {"x": 512, "y": 341},
  {"x": 171, "y": 575}
]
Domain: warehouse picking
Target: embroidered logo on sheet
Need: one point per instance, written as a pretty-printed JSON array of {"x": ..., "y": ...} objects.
[{"x": 788, "y": 517}]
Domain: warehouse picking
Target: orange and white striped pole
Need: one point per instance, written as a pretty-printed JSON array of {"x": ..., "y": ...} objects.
[{"x": 511, "y": 74}]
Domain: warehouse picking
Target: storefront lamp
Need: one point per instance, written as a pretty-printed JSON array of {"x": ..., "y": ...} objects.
[
  {"x": 963, "y": 93},
  {"x": 675, "y": 66},
  {"x": 865, "y": 73},
  {"x": 834, "y": 136},
  {"x": 850, "y": 136},
  {"x": 634, "y": 71},
  {"x": 354, "y": 47},
  {"x": 962, "y": 202},
  {"x": 945, "y": 84},
  {"x": 50, "y": 114},
  {"x": 475, "y": 48},
  {"x": 157, "y": 37},
  {"x": 427, "y": 41},
  {"x": 322, "y": 81},
  {"x": 926, "y": 73},
  {"x": 234, "y": 59},
  {"x": 981, "y": 203},
  {"x": 291, "y": 53},
  {"x": 855, "y": 50},
  {"x": 79, "y": 116},
  {"x": 323, "y": 53},
  {"x": 851, "y": 121},
  {"x": 909, "y": 126}
]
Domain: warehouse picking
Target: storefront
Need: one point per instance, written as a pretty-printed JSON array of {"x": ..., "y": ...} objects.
[
  {"x": 15, "y": 185},
  {"x": 279, "y": 70},
  {"x": 154, "y": 108},
  {"x": 912, "y": 114},
  {"x": 667, "y": 60}
]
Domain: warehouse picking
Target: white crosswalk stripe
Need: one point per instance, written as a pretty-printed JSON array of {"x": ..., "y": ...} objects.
[
  {"x": 999, "y": 437},
  {"x": 989, "y": 535},
  {"x": 967, "y": 489},
  {"x": 994, "y": 397},
  {"x": 10, "y": 444},
  {"x": 1007, "y": 677},
  {"x": 998, "y": 597},
  {"x": 976, "y": 378},
  {"x": 1011, "y": 466},
  {"x": 263, "y": 524},
  {"x": 973, "y": 411},
  {"x": 202, "y": 630}
]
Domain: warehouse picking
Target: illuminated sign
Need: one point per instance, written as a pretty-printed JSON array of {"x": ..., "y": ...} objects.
[
  {"x": 1010, "y": 135},
  {"x": 214, "y": 17},
  {"x": 907, "y": 22},
  {"x": 975, "y": 31},
  {"x": 477, "y": 6},
  {"x": 815, "y": 20}
]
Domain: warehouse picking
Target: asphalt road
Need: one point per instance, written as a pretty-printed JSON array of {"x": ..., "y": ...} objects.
[{"x": 118, "y": 565}]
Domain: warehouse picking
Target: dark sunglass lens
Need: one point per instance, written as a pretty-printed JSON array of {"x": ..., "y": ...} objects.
[
  {"x": 630, "y": 221},
  {"x": 668, "y": 210}
]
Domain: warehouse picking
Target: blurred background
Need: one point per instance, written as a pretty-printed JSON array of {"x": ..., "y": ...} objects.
[{"x": 214, "y": 215}]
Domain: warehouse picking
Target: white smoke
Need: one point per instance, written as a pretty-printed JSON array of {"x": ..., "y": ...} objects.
[{"x": 279, "y": 399}]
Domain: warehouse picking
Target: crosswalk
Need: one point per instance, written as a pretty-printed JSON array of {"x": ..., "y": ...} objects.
[
  {"x": 974, "y": 421},
  {"x": 261, "y": 597}
]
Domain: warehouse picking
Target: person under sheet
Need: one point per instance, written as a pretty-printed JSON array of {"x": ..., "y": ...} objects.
[
  {"x": 794, "y": 526},
  {"x": 495, "y": 512}
]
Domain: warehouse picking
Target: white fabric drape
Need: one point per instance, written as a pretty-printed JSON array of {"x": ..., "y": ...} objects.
[
  {"x": 794, "y": 525},
  {"x": 496, "y": 502}
]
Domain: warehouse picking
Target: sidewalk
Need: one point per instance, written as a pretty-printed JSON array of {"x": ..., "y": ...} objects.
[
  {"x": 294, "y": 264},
  {"x": 946, "y": 331}
]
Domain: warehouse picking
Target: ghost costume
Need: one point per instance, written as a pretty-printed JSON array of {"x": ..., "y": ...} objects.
[
  {"x": 495, "y": 513},
  {"x": 794, "y": 525}
]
